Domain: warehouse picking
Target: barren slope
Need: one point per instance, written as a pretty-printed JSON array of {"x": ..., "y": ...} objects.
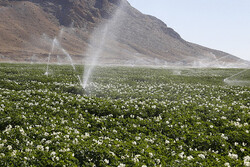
[{"x": 27, "y": 28}]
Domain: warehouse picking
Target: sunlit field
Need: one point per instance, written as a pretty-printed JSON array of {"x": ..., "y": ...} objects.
[{"x": 127, "y": 116}]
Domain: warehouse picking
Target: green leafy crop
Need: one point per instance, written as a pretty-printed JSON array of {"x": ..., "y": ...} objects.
[{"x": 126, "y": 117}]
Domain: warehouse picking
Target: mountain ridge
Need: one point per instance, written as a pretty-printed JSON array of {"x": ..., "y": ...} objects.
[{"x": 134, "y": 37}]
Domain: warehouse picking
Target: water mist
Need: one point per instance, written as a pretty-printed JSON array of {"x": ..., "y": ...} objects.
[
  {"x": 97, "y": 44},
  {"x": 49, "y": 56}
]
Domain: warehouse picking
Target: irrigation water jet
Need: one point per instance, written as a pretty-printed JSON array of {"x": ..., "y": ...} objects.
[
  {"x": 65, "y": 53},
  {"x": 51, "y": 52},
  {"x": 98, "y": 40},
  {"x": 33, "y": 59},
  {"x": 56, "y": 44},
  {"x": 227, "y": 80},
  {"x": 61, "y": 34},
  {"x": 89, "y": 68}
]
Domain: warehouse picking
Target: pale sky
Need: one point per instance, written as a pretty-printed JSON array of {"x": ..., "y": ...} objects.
[{"x": 218, "y": 24}]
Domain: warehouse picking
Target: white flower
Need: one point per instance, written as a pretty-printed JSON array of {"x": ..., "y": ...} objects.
[
  {"x": 144, "y": 166},
  {"x": 9, "y": 147},
  {"x": 167, "y": 142},
  {"x": 247, "y": 158},
  {"x": 47, "y": 148},
  {"x": 13, "y": 154},
  {"x": 158, "y": 161},
  {"x": 40, "y": 147},
  {"x": 106, "y": 161},
  {"x": 121, "y": 165},
  {"x": 181, "y": 155},
  {"x": 233, "y": 156},
  {"x": 137, "y": 156},
  {"x": 113, "y": 154},
  {"x": 53, "y": 153},
  {"x": 190, "y": 157},
  {"x": 86, "y": 135},
  {"x": 151, "y": 155},
  {"x": 211, "y": 126},
  {"x": 28, "y": 150},
  {"x": 202, "y": 156},
  {"x": 247, "y": 161},
  {"x": 224, "y": 137},
  {"x": 135, "y": 159},
  {"x": 22, "y": 132},
  {"x": 247, "y": 164},
  {"x": 227, "y": 164},
  {"x": 137, "y": 138}
]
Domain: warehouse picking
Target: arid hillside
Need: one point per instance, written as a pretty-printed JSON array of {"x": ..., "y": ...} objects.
[{"x": 125, "y": 35}]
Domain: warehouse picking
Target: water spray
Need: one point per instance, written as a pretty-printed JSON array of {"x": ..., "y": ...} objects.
[
  {"x": 227, "y": 79},
  {"x": 101, "y": 33},
  {"x": 49, "y": 56}
]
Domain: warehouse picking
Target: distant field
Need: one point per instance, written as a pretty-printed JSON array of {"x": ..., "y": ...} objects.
[{"x": 126, "y": 117}]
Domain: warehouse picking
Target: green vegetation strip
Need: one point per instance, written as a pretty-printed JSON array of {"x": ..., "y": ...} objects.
[{"x": 126, "y": 117}]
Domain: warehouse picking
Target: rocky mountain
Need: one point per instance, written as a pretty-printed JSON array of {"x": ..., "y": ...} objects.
[{"x": 123, "y": 34}]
